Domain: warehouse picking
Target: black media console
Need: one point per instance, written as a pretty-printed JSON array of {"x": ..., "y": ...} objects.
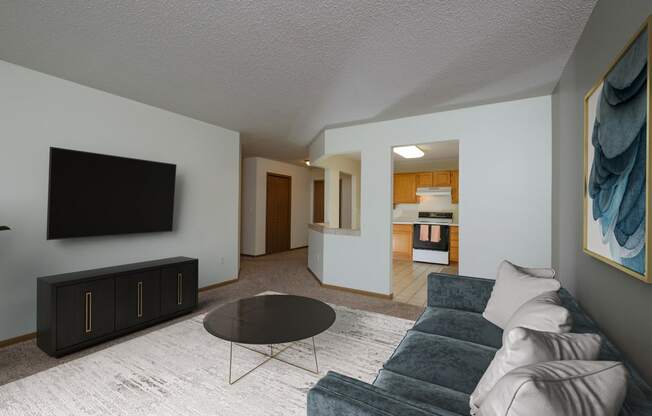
[{"x": 80, "y": 309}]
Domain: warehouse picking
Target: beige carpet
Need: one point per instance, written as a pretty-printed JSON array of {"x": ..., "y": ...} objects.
[{"x": 282, "y": 272}]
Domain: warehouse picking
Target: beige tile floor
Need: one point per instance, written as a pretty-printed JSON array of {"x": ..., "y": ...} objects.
[{"x": 410, "y": 280}]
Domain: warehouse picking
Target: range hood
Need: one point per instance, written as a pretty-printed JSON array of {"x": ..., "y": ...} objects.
[{"x": 434, "y": 191}]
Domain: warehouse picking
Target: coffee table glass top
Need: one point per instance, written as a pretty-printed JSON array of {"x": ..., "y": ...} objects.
[{"x": 270, "y": 319}]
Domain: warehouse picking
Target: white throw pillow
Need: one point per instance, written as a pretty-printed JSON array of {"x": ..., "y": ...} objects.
[
  {"x": 543, "y": 272},
  {"x": 559, "y": 388},
  {"x": 524, "y": 347},
  {"x": 513, "y": 287},
  {"x": 541, "y": 313}
]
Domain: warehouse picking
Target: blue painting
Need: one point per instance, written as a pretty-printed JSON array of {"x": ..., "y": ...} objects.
[{"x": 616, "y": 162}]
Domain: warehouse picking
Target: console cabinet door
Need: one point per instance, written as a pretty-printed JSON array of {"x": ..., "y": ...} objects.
[
  {"x": 138, "y": 298},
  {"x": 178, "y": 288},
  {"x": 85, "y": 311}
]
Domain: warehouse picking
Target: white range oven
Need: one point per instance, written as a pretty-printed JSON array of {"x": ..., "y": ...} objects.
[{"x": 431, "y": 237}]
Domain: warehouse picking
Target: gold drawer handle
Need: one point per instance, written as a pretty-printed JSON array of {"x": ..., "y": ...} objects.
[
  {"x": 179, "y": 288},
  {"x": 140, "y": 299},
  {"x": 89, "y": 312}
]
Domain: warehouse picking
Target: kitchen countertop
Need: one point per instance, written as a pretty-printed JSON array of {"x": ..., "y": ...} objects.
[
  {"x": 325, "y": 229},
  {"x": 414, "y": 221}
]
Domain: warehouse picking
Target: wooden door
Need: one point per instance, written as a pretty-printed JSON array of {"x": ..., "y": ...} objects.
[
  {"x": 277, "y": 228},
  {"x": 138, "y": 298},
  {"x": 441, "y": 178},
  {"x": 340, "y": 201},
  {"x": 405, "y": 188},
  {"x": 318, "y": 202}
]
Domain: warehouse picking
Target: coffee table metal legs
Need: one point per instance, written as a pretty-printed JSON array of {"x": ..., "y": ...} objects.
[{"x": 270, "y": 356}]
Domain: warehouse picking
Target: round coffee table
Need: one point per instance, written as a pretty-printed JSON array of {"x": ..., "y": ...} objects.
[{"x": 269, "y": 320}]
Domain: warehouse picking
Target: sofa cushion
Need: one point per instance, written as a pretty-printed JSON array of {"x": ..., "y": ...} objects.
[
  {"x": 462, "y": 325},
  {"x": 336, "y": 394},
  {"x": 459, "y": 292},
  {"x": 430, "y": 394},
  {"x": 444, "y": 361}
]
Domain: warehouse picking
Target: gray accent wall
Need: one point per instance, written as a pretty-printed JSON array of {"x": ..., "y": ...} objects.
[{"x": 620, "y": 304}]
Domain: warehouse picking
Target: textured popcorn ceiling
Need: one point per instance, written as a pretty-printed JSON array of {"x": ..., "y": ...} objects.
[{"x": 279, "y": 71}]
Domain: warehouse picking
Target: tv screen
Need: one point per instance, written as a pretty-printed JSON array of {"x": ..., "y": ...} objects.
[{"x": 93, "y": 194}]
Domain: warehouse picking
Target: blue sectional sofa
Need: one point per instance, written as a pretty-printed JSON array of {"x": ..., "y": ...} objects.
[{"x": 441, "y": 359}]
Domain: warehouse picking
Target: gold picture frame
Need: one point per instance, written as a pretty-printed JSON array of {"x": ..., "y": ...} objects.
[{"x": 596, "y": 232}]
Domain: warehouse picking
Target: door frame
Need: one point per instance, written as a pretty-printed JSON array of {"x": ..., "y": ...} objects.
[
  {"x": 314, "y": 193},
  {"x": 289, "y": 178}
]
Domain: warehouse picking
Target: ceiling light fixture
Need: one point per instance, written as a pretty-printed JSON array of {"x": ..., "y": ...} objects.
[
  {"x": 307, "y": 162},
  {"x": 409, "y": 152}
]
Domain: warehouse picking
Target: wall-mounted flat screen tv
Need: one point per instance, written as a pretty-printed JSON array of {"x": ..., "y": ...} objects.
[{"x": 93, "y": 194}]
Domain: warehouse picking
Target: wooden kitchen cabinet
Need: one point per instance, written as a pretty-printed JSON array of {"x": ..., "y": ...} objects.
[
  {"x": 455, "y": 186},
  {"x": 441, "y": 178},
  {"x": 406, "y": 184},
  {"x": 424, "y": 179},
  {"x": 402, "y": 241},
  {"x": 454, "y": 249},
  {"x": 405, "y": 188}
]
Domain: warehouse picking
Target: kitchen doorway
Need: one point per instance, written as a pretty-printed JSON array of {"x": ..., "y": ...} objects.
[{"x": 425, "y": 222}]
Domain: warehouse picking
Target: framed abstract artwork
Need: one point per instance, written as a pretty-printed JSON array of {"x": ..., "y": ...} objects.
[{"x": 616, "y": 161}]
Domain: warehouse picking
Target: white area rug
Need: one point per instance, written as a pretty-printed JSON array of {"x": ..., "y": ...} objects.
[{"x": 183, "y": 370}]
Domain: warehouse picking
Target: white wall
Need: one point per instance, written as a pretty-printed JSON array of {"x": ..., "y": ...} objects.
[
  {"x": 254, "y": 198},
  {"x": 38, "y": 111},
  {"x": 315, "y": 252},
  {"x": 417, "y": 165},
  {"x": 505, "y": 181},
  {"x": 248, "y": 207}
]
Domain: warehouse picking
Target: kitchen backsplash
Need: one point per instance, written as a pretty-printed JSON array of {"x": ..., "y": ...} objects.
[{"x": 428, "y": 203}]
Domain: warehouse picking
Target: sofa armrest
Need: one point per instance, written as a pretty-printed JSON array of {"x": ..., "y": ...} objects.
[
  {"x": 336, "y": 395},
  {"x": 459, "y": 292}
]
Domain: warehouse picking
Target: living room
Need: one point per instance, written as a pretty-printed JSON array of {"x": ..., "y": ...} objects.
[{"x": 161, "y": 246}]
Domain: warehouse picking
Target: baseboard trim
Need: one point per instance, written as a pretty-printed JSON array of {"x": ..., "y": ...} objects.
[
  {"x": 268, "y": 254},
  {"x": 216, "y": 285},
  {"x": 359, "y": 292},
  {"x": 347, "y": 289},
  {"x": 314, "y": 275},
  {"x": 298, "y": 248},
  {"x": 16, "y": 340}
]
